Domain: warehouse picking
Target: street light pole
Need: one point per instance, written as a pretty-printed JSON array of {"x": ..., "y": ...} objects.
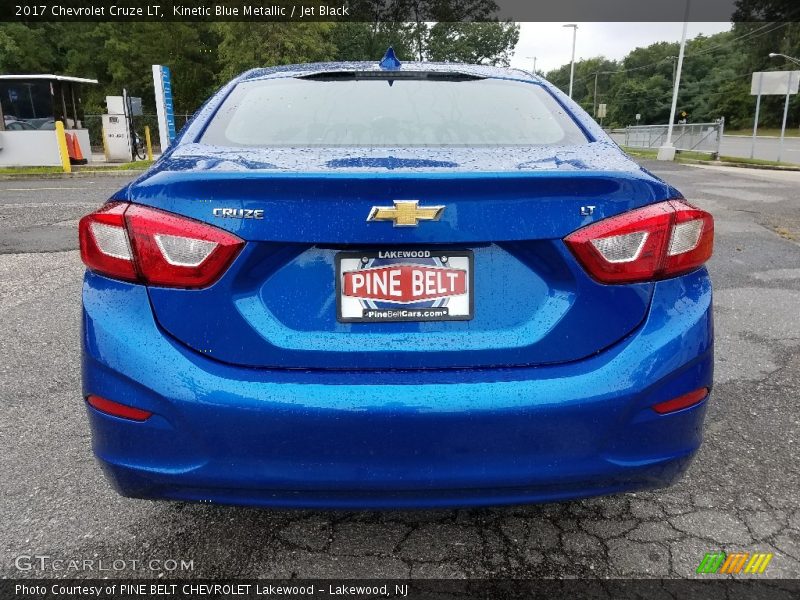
[
  {"x": 789, "y": 58},
  {"x": 786, "y": 104},
  {"x": 595, "y": 92},
  {"x": 534, "y": 63},
  {"x": 572, "y": 62},
  {"x": 785, "y": 115},
  {"x": 667, "y": 151}
]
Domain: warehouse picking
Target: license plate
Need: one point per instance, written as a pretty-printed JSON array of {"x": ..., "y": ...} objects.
[{"x": 404, "y": 285}]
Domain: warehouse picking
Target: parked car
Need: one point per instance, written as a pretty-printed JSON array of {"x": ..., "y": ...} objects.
[
  {"x": 44, "y": 123},
  {"x": 373, "y": 285},
  {"x": 15, "y": 125}
]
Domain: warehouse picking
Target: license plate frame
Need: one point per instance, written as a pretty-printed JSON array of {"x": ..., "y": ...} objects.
[{"x": 384, "y": 311}]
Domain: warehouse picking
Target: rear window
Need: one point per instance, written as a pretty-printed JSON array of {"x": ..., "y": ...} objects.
[{"x": 374, "y": 111}]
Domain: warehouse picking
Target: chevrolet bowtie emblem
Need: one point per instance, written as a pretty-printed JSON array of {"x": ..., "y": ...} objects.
[{"x": 405, "y": 213}]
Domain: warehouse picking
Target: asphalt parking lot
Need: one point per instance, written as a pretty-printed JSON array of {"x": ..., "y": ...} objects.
[{"x": 742, "y": 492}]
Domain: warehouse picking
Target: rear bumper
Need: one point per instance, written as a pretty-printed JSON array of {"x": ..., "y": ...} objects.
[{"x": 394, "y": 439}]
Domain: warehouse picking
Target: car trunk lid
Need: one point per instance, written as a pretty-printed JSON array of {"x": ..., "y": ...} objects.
[{"x": 276, "y": 306}]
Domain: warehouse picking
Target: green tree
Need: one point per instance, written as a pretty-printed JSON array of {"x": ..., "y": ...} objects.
[
  {"x": 481, "y": 43},
  {"x": 25, "y": 49},
  {"x": 598, "y": 69},
  {"x": 187, "y": 48},
  {"x": 715, "y": 81},
  {"x": 203, "y": 56},
  {"x": 244, "y": 46},
  {"x": 368, "y": 41}
]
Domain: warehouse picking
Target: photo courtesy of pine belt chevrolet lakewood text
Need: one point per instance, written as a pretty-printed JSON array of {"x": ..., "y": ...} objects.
[{"x": 381, "y": 285}]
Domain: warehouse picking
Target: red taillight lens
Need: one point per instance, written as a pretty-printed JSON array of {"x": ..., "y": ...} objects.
[
  {"x": 681, "y": 402},
  {"x": 104, "y": 243},
  {"x": 692, "y": 240},
  {"x": 654, "y": 242},
  {"x": 176, "y": 251},
  {"x": 118, "y": 410},
  {"x": 150, "y": 246}
]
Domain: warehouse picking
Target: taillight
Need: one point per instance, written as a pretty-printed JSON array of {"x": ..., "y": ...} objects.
[
  {"x": 104, "y": 242},
  {"x": 654, "y": 242},
  {"x": 150, "y": 246}
]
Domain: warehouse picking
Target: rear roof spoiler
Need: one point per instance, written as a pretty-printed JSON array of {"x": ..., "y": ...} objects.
[{"x": 385, "y": 75}]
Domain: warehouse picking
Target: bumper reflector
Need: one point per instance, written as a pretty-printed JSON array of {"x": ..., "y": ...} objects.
[
  {"x": 681, "y": 402},
  {"x": 118, "y": 410}
]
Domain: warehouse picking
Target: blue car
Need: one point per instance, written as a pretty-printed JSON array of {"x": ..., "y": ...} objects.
[{"x": 382, "y": 285}]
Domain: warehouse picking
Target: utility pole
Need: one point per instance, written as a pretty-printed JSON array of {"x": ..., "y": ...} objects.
[
  {"x": 595, "y": 92},
  {"x": 572, "y": 62},
  {"x": 667, "y": 151},
  {"x": 673, "y": 59}
]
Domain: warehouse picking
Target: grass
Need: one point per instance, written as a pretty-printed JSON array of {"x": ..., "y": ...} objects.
[
  {"x": 136, "y": 165},
  {"x": 786, "y": 233},
  {"x": 688, "y": 156},
  {"x": 754, "y": 161},
  {"x": 640, "y": 152},
  {"x": 30, "y": 170},
  {"x": 131, "y": 166},
  {"x": 768, "y": 131}
]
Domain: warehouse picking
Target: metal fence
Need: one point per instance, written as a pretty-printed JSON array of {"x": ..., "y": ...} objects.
[{"x": 697, "y": 137}]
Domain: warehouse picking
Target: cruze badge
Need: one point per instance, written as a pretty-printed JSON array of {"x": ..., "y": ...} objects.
[
  {"x": 405, "y": 213},
  {"x": 238, "y": 213}
]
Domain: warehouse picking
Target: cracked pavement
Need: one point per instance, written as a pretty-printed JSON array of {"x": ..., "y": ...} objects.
[{"x": 740, "y": 494}]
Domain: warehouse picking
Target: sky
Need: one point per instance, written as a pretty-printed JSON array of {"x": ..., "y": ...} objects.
[{"x": 551, "y": 43}]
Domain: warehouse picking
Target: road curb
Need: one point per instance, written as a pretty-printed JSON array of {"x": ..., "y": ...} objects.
[
  {"x": 721, "y": 163},
  {"x": 75, "y": 175},
  {"x": 761, "y": 137}
]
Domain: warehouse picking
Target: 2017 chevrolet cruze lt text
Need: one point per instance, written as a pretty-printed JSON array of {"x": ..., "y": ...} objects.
[{"x": 372, "y": 285}]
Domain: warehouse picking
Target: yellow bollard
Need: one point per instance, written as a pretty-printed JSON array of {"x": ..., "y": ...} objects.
[
  {"x": 147, "y": 141},
  {"x": 105, "y": 144},
  {"x": 62, "y": 147}
]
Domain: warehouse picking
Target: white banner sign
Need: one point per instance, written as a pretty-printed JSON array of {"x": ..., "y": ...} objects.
[{"x": 774, "y": 83}]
